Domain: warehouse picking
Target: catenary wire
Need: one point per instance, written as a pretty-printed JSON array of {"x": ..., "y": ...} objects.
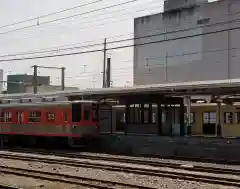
[
  {"x": 50, "y": 14},
  {"x": 57, "y": 48},
  {"x": 121, "y": 47},
  {"x": 139, "y": 37},
  {"x": 67, "y": 17},
  {"x": 84, "y": 28}
]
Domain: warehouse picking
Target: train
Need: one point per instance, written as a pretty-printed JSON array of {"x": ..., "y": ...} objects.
[{"x": 49, "y": 122}]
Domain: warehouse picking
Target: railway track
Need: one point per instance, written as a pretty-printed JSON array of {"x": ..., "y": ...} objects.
[
  {"x": 69, "y": 179},
  {"x": 3, "y": 186},
  {"x": 208, "y": 169},
  {"x": 198, "y": 173}
]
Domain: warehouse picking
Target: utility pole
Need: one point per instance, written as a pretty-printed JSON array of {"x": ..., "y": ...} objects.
[
  {"x": 35, "y": 83},
  {"x": 229, "y": 43},
  {"x": 108, "y": 77},
  {"x": 63, "y": 78},
  {"x": 104, "y": 62}
]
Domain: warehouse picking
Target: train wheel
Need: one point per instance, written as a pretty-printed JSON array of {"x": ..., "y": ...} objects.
[{"x": 70, "y": 142}]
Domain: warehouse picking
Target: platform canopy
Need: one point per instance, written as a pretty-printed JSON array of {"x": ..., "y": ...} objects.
[{"x": 213, "y": 87}]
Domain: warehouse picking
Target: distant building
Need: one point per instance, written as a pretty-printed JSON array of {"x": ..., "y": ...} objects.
[
  {"x": 1, "y": 79},
  {"x": 47, "y": 88},
  {"x": 211, "y": 56},
  {"x": 17, "y": 83}
]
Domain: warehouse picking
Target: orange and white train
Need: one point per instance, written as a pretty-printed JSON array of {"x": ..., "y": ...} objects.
[{"x": 64, "y": 122}]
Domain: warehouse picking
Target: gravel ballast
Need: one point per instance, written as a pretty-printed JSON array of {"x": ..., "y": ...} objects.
[{"x": 150, "y": 181}]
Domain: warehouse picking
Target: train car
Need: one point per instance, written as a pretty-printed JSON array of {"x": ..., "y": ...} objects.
[{"x": 71, "y": 123}]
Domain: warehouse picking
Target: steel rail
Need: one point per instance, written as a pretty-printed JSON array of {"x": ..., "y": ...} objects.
[
  {"x": 208, "y": 169},
  {"x": 70, "y": 179},
  {"x": 193, "y": 175}
]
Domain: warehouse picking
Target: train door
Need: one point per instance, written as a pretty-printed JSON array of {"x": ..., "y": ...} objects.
[
  {"x": 209, "y": 123},
  {"x": 76, "y": 112},
  {"x": 105, "y": 119}
]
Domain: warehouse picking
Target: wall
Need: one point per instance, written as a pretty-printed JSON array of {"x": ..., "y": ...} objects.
[
  {"x": 203, "y": 57},
  {"x": 47, "y": 88},
  {"x": 25, "y": 79},
  {"x": 228, "y": 130},
  {"x": 171, "y": 126},
  {"x": 195, "y": 147}
]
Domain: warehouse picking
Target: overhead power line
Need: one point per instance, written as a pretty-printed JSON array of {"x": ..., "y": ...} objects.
[
  {"x": 124, "y": 40},
  {"x": 67, "y": 17},
  {"x": 119, "y": 47},
  {"x": 50, "y": 14}
]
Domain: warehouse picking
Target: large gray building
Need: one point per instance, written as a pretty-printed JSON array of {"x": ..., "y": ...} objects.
[
  {"x": 17, "y": 83},
  {"x": 191, "y": 40}
]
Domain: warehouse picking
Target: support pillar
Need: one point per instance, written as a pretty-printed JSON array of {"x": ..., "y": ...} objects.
[
  {"x": 219, "y": 120},
  {"x": 181, "y": 114},
  {"x": 127, "y": 114},
  {"x": 159, "y": 119},
  {"x": 188, "y": 115}
]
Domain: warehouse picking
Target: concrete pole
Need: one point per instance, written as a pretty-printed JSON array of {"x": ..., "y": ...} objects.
[
  {"x": 104, "y": 62},
  {"x": 189, "y": 121},
  {"x": 63, "y": 78},
  {"x": 108, "y": 77},
  {"x": 35, "y": 82}
]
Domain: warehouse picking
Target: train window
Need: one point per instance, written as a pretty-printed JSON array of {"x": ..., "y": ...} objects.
[
  {"x": 76, "y": 112},
  {"x": 34, "y": 116},
  {"x": 2, "y": 117},
  {"x": 228, "y": 117},
  {"x": 51, "y": 116},
  {"x": 20, "y": 117},
  {"x": 8, "y": 117},
  {"x": 87, "y": 115}
]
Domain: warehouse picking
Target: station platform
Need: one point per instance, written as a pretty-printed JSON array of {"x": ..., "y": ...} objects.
[{"x": 163, "y": 146}]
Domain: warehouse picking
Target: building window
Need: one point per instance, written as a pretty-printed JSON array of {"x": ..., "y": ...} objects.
[
  {"x": 154, "y": 118},
  {"x": 51, "y": 116},
  {"x": 209, "y": 118},
  {"x": 237, "y": 117},
  {"x": 135, "y": 114},
  {"x": 203, "y": 21},
  {"x": 123, "y": 118},
  {"x": 228, "y": 117},
  {"x": 140, "y": 114},
  {"x": 34, "y": 117}
]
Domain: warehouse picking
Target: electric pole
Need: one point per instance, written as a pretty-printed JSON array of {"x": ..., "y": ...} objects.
[
  {"x": 63, "y": 78},
  {"x": 35, "y": 81},
  {"x": 104, "y": 62},
  {"x": 108, "y": 73}
]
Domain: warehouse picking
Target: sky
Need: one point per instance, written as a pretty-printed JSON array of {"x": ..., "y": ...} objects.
[{"x": 84, "y": 70}]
